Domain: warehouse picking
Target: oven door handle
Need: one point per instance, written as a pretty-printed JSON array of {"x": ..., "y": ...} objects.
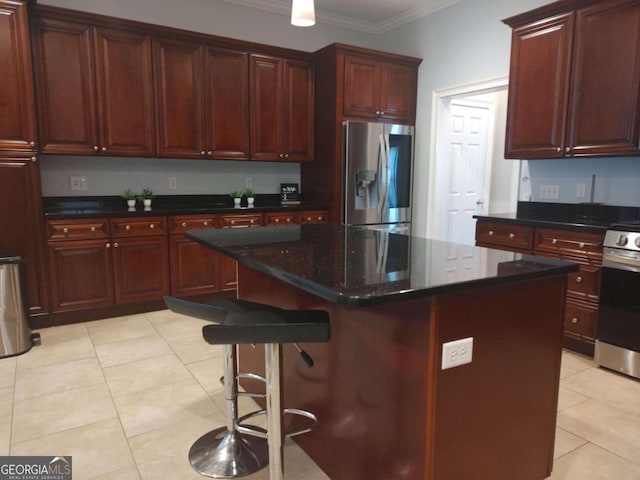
[{"x": 619, "y": 262}]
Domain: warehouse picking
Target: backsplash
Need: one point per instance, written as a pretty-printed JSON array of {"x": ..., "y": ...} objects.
[
  {"x": 112, "y": 175},
  {"x": 617, "y": 180}
]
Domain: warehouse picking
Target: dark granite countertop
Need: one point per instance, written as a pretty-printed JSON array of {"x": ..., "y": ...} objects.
[
  {"x": 358, "y": 267},
  {"x": 588, "y": 217},
  {"x": 113, "y": 206}
]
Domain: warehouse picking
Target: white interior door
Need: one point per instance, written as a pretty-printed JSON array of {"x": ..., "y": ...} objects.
[{"x": 463, "y": 168}]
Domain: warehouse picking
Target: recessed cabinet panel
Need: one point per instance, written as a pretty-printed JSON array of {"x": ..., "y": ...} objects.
[
  {"x": 125, "y": 93},
  {"x": 604, "y": 103},
  {"x": 17, "y": 121},
  {"x": 194, "y": 268},
  {"x": 398, "y": 87},
  {"x": 179, "y": 99},
  {"x": 538, "y": 88},
  {"x": 65, "y": 86},
  {"x": 298, "y": 120},
  {"x": 227, "y": 98},
  {"x": 361, "y": 86},
  {"x": 266, "y": 101}
]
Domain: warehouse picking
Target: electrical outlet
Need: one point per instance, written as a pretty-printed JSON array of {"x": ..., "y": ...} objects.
[
  {"x": 581, "y": 190},
  {"x": 549, "y": 191},
  {"x": 248, "y": 182},
  {"x": 456, "y": 353},
  {"x": 78, "y": 183},
  {"x": 173, "y": 183}
]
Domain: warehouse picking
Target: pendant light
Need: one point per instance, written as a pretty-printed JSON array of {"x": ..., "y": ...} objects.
[{"x": 302, "y": 13}]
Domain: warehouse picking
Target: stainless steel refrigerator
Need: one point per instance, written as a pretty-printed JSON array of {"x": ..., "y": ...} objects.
[{"x": 378, "y": 175}]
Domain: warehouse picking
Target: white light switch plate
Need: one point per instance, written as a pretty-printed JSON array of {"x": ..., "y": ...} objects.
[{"x": 456, "y": 353}]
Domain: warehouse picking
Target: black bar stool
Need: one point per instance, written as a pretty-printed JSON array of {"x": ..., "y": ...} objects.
[{"x": 241, "y": 322}]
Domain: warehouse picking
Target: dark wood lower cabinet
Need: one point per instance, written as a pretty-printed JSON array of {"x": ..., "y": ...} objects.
[
  {"x": 141, "y": 269},
  {"x": 80, "y": 274},
  {"x": 194, "y": 268}
]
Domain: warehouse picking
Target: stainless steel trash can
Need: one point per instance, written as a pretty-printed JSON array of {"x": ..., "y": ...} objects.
[{"x": 15, "y": 334}]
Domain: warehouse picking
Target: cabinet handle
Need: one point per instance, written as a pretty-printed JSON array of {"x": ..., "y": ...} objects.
[
  {"x": 252, "y": 220},
  {"x": 288, "y": 220},
  {"x": 93, "y": 229},
  {"x": 128, "y": 227},
  {"x": 32, "y": 144},
  {"x": 381, "y": 113},
  {"x": 202, "y": 152},
  {"x": 232, "y": 222},
  {"x": 152, "y": 226},
  {"x": 205, "y": 223},
  {"x": 277, "y": 220},
  {"x": 281, "y": 155},
  {"x": 575, "y": 320},
  {"x": 116, "y": 245},
  {"x": 377, "y": 112},
  {"x": 96, "y": 148},
  {"x": 581, "y": 244},
  {"x": 108, "y": 245},
  {"x": 567, "y": 149},
  {"x": 511, "y": 235},
  {"x": 491, "y": 233},
  {"x": 184, "y": 224},
  {"x": 308, "y": 219},
  {"x": 34, "y": 158},
  {"x": 209, "y": 152},
  {"x": 104, "y": 149},
  {"x": 319, "y": 218},
  {"x": 286, "y": 155},
  {"x": 554, "y": 241},
  {"x": 578, "y": 279},
  {"x": 65, "y": 230},
  {"x": 558, "y": 149}
]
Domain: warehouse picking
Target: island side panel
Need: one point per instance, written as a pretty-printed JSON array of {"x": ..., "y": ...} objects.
[
  {"x": 369, "y": 386},
  {"x": 495, "y": 417}
]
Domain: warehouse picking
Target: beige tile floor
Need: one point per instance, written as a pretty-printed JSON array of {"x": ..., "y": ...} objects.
[{"x": 126, "y": 397}]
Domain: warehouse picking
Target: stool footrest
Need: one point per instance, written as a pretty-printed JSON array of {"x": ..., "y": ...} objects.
[
  {"x": 262, "y": 433},
  {"x": 252, "y": 376}
]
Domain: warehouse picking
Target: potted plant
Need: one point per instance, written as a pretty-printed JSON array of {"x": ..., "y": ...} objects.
[
  {"x": 249, "y": 194},
  {"x": 130, "y": 196},
  {"x": 237, "y": 196},
  {"x": 146, "y": 196}
]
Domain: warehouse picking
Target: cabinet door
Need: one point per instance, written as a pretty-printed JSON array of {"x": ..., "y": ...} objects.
[
  {"x": 228, "y": 275},
  {"x": 226, "y": 93},
  {"x": 361, "y": 87},
  {"x": 125, "y": 93},
  {"x": 265, "y": 98},
  {"x": 65, "y": 87},
  {"x": 298, "y": 111},
  {"x": 538, "y": 88},
  {"x": 194, "y": 268},
  {"x": 179, "y": 99},
  {"x": 17, "y": 121},
  {"x": 604, "y": 104},
  {"x": 141, "y": 269},
  {"x": 398, "y": 90},
  {"x": 21, "y": 222},
  {"x": 80, "y": 274}
]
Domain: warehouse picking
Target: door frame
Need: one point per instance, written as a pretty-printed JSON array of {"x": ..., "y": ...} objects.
[{"x": 438, "y": 99}]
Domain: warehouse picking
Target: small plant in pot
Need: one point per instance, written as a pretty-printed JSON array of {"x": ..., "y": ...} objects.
[
  {"x": 237, "y": 197},
  {"x": 249, "y": 194},
  {"x": 130, "y": 196},
  {"x": 146, "y": 196}
]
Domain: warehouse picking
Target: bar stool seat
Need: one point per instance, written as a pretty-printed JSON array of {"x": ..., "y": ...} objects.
[{"x": 242, "y": 322}]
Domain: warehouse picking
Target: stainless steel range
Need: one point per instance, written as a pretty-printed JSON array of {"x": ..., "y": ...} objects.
[{"x": 618, "y": 333}]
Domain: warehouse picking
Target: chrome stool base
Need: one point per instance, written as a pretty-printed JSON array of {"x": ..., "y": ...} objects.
[{"x": 224, "y": 454}]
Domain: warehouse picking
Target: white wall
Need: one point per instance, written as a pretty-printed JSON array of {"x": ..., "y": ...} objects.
[{"x": 110, "y": 176}]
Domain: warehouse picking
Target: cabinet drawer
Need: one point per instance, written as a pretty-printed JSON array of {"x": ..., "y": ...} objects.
[
  {"x": 78, "y": 229},
  {"x": 311, "y": 217},
  {"x": 580, "y": 319},
  {"x": 240, "y": 221},
  {"x": 588, "y": 245},
  {"x": 138, "y": 226},
  {"x": 182, "y": 223},
  {"x": 280, "y": 219},
  {"x": 585, "y": 284},
  {"x": 517, "y": 237}
]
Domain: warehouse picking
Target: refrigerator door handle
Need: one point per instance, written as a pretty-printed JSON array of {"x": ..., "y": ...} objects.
[{"x": 383, "y": 172}]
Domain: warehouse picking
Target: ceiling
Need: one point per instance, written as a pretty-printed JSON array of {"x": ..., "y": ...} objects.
[{"x": 371, "y": 16}]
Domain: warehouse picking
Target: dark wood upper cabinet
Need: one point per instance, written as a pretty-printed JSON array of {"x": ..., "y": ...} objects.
[
  {"x": 281, "y": 106},
  {"x": 202, "y": 101},
  {"x": 575, "y": 81},
  {"x": 21, "y": 222},
  {"x": 94, "y": 89},
  {"x": 17, "y": 121},
  {"x": 377, "y": 89}
]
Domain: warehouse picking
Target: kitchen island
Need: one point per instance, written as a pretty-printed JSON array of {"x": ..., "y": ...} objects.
[{"x": 386, "y": 407}]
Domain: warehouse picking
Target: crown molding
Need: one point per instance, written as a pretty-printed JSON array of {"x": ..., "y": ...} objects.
[{"x": 284, "y": 8}]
